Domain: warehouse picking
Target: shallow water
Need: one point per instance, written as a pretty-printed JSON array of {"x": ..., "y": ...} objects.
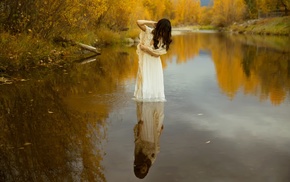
[{"x": 226, "y": 117}]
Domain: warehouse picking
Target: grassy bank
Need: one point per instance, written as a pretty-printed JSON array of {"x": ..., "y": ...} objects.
[
  {"x": 24, "y": 51},
  {"x": 267, "y": 26}
]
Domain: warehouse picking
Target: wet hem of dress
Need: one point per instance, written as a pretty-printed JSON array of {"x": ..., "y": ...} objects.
[{"x": 149, "y": 100}]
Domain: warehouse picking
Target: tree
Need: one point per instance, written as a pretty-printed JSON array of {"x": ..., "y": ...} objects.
[
  {"x": 252, "y": 11},
  {"x": 228, "y": 11},
  {"x": 157, "y": 9},
  {"x": 186, "y": 11},
  {"x": 118, "y": 14},
  {"x": 286, "y": 5},
  {"x": 204, "y": 16},
  {"x": 52, "y": 17}
]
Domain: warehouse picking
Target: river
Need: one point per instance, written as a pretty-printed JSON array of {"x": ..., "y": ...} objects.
[{"x": 226, "y": 117}]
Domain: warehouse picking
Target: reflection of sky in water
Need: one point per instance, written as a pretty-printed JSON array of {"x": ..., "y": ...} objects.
[
  {"x": 248, "y": 140},
  {"x": 192, "y": 87},
  {"x": 199, "y": 112},
  {"x": 196, "y": 75},
  {"x": 244, "y": 133}
]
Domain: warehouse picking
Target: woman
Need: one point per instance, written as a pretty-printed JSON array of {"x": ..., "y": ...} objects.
[{"x": 155, "y": 39}]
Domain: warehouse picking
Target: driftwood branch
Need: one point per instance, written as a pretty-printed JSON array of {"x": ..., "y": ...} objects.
[
  {"x": 89, "y": 48},
  {"x": 87, "y": 60},
  {"x": 60, "y": 39}
]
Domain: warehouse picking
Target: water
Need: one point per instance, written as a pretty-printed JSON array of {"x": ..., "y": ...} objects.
[{"x": 226, "y": 117}]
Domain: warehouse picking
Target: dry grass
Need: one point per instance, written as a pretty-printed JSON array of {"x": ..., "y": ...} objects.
[{"x": 269, "y": 26}]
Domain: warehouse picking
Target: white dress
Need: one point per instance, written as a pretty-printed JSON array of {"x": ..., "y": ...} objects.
[{"x": 149, "y": 83}]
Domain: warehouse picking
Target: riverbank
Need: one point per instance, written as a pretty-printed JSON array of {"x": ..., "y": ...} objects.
[
  {"x": 266, "y": 26},
  {"x": 195, "y": 28},
  {"x": 24, "y": 51}
]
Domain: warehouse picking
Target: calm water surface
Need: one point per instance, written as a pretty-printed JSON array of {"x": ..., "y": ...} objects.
[{"x": 226, "y": 118}]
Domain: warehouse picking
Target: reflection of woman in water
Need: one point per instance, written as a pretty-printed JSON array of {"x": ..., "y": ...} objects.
[{"x": 147, "y": 133}]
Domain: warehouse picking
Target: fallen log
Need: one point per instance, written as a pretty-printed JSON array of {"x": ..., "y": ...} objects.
[
  {"x": 60, "y": 39},
  {"x": 88, "y": 47}
]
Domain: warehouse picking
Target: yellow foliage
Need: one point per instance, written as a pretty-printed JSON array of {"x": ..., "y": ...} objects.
[
  {"x": 204, "y": 16},
  {"x": 118, "y": 14},
  {"x": 155, "y": 10},
  {"x": 266, "y": 5},
  {"x": 186, "y": 11},
  {"x": 228, "y": 11}
]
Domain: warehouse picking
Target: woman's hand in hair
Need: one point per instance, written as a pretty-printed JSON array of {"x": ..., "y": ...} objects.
[{"x": 141, "y": 24}]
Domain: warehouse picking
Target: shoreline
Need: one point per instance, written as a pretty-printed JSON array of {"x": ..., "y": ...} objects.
[
  {"x": 182, "y": 30},
  {"x": 279, "y": 26}
]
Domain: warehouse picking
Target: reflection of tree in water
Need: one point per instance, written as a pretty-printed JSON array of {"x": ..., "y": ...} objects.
[
  {"x": 273, "y": 74},
  {"x": 258, "y": 64},
  {"x": 271, "y": 69},
  {"x": 43, "y": 138},
  {"x": 259, "y": 71},
  {"x": 247, "y": 60}
]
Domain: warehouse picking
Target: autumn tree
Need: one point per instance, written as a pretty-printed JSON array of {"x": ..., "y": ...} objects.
[
  {"x": 186, "y": 11},
  {"x": 204, "y": 15},
  {"x": 156, "y": 9},
  {"x": 252, "y": 10},
  {"x": 118, "y": 14},
  {"x": 266, "y": 6},
  {"x": 286, "y": 5},
  {"x": 51, "y": 17},
  {"x": 228, "y": 11},
  {"x": 254, "y": 7}
]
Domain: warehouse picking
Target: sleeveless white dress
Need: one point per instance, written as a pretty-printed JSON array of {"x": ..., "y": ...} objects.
[{"x": 149, "y": 82}]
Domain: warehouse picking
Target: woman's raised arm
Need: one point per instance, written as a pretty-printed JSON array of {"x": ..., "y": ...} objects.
[{"x": 141, "y": 24}]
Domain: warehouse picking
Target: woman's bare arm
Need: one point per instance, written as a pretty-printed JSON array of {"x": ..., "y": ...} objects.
[
  {"x": 148, "y": 51},
  {"x": 141, "y": 24}
]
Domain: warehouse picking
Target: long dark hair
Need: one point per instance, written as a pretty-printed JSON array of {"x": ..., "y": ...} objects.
[
  {"x": 142, "y": 164},
  {"x": 162, "y": 31}
]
